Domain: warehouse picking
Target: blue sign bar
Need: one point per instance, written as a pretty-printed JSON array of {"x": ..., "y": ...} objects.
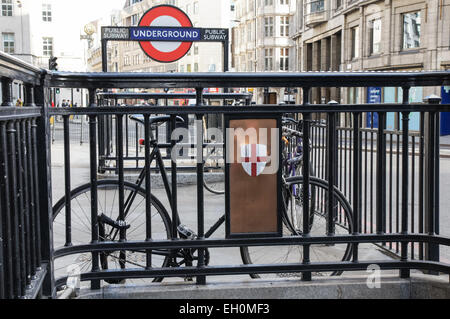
[
  {"x": 165, "y": 34},
  {"x": 373, "y": 97}
]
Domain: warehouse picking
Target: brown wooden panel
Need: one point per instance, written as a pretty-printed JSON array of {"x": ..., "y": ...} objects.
[{"x": 253, "y": 200}]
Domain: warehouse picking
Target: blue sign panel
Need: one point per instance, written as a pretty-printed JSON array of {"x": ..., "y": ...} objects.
[
  {"x": 165, "y": 34},
  {"x": 445, "y": 116},
  {"x": 373, "y": 97}
]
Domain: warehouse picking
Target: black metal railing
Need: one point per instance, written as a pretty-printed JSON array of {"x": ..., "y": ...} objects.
[
  {"x": 88, "y": 242},
  {"x": 25, "y": 207}
]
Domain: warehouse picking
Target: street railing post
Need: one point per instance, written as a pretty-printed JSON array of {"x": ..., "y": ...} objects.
[
  {"x": 431, "y": 196},
  {"x": 45, "y": 186}
]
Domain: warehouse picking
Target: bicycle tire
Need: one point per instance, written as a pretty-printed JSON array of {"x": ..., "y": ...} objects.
[
  {"x": 80, "y": 199},
  {"x": 249, "y": 255}
]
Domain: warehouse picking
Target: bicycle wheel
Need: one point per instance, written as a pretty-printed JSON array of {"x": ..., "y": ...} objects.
[
  {"x": 318, "y": 227},
  {"x": 214, "y": 172},
  {"x": 294, "y": 213},
  {"x": 108, "y": 204}
]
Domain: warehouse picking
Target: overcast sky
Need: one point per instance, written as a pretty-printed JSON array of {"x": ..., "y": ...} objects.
[{"x": 89, "y": 10}]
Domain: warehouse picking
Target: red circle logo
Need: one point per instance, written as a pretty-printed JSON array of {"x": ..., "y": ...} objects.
[{"x": 165, "y": 16}]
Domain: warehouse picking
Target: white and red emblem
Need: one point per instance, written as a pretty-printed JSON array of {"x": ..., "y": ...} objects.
[{"x": 254, "y": 158}]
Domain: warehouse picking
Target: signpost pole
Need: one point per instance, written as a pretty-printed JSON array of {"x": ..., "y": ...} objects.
[{"x": 104, "y": 55}]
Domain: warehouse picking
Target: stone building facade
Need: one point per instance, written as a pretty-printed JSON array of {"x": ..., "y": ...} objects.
[
  {"x": 262, "y": 39},
  {"x": 368, "y": 35}
]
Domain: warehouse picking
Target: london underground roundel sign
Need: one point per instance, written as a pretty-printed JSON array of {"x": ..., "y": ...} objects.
[{"x": 174, "y": 20}]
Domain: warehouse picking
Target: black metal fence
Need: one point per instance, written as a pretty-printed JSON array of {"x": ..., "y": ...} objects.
[
  {"x": 25, "y": 187},
  {"x": 396, "y": 214}
]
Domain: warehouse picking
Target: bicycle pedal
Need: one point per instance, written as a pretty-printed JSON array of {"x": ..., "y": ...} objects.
[{"x": 187, "y": 232}]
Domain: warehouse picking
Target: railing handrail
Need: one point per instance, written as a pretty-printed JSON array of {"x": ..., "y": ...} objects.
[
  {"x": 17, "y": 69},
  {"x": 170, "y": 96},
  {"x": 254, "y": 80}
]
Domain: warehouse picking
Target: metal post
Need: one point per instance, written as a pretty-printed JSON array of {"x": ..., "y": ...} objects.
[
  {"x": 7, "y": 92},
  {"x": 306, "y": 276},
  {"x": 45, "y": 187},
  {"x": 95, "y": 284},
  {"x": 405, "y": 273},
  {"x": 431, "y": 179},
  {"x": 356, "y": 180},
  {"x": 332, "y": 170},
  {"x": 381, "y": 175},
  {"x": 201, "y": 280}
]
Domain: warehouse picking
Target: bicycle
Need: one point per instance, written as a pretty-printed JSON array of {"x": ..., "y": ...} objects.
[{"x": 133, "y": 226}]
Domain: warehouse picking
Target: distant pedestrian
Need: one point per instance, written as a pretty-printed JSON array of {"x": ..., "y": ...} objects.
[{"x": 19, "y": 102}]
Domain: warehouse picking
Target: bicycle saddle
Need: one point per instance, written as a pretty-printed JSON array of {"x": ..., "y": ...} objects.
[{"x": 155, "y": 119}]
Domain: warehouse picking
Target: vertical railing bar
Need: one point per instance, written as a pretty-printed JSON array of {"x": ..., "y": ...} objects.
[
  {"x": 120, "y": 160},
  {"x": 136, "y": 140},
  {"x": 7, "y": 235},
  {"x": 397, "y": 191},
  {"x": 381, "y": 175},
  {"x": 26, "y": 207},
  {"x": 436, "y": 194},
  {"x": 332, "y": 155},
  {"x": 201, "y": 280},
  {"x": 14, "y": 209},
  {"x": 67, "y": 181},
  {"x": 366, "y": 203},
  {"x": 148, "y": 192},
  {"x": 95, "y": 284},
  {"x": 371, "y": 174},
  {"x": 421, "y": 182},
  {"x": 391, "y": 213},
  {"x": 31, "y": 203},
  {"x": 28, "y": 185},
  {"x": 413, "y": 190},
  {"x": 306, "y": 276},
  {"x": 405, "y": 273},
  {"x": 356, "y": 180},
  {"x": 37, "y": 226},
  {"x": 21, "y": 206},
  {"x": 173, "y": 173}
]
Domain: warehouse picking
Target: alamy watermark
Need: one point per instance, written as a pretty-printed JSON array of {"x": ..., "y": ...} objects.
[{"x": 249, "y": 146}]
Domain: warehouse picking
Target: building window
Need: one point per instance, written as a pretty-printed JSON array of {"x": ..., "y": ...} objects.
[
  {"x": 250, "y": 61},
  {"x": 195, "y": 67},
  {"x": 188, "y": 68},
  {"x": 181, "y": 68},
  {"x": 284, "y": 1},
  {"x": 268, "y": 26},
  {"x": 126, "y": 60},
  {"x": 375, "y": 36},
  {"x": 195, "y": 7},
  {"x": 135, "y": 1},
  {"x": 7, "y": 8},
  {"x": 8, "y": 43},
  {"x": 268, "y": 59},
  {"x": 249, "y": 32},
  {"x": 196, "y": 49},
  {"x": 355, "y": 42},
  {"x": 284, "y": 26},
  {"x": 47, "y": 46},
  {"x": 268, "y": 2},
  {"x": 338, "y": 4},
  {"x": 47, "y": 12},
  {"x": 284, "y": 59},
  {"x": 411, "y": 30},
  {"x": 134, "y": 19},
  {"x": 316, "y": 6}
]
